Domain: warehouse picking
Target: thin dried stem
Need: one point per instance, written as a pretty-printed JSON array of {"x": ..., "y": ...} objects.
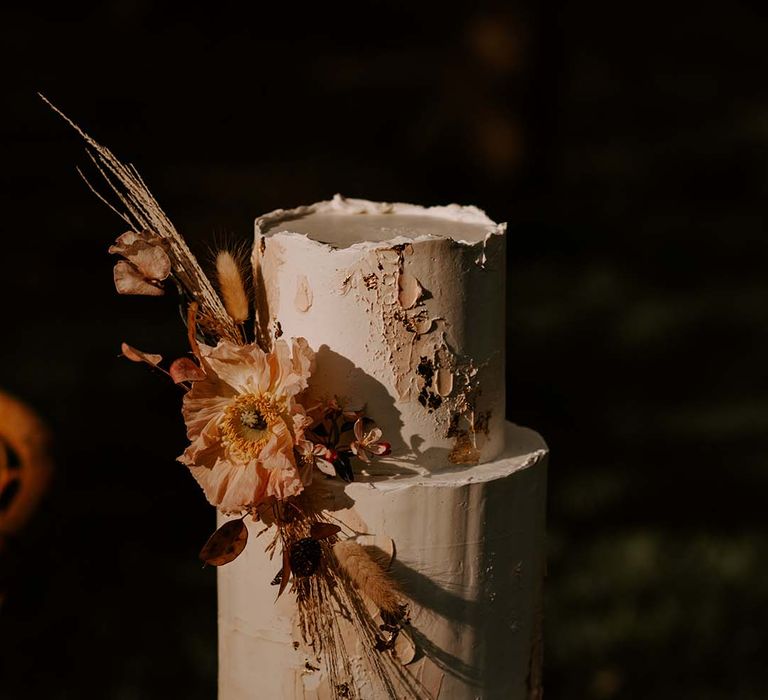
[{"x": 143, "y": 212}]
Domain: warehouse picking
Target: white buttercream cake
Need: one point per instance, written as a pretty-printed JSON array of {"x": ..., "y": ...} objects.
[{"x": 404, "y": 306}]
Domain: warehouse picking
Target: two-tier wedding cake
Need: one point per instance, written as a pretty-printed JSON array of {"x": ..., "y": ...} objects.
[
  {"x": 344, "y": 407},
  {"x": 404, "y": 306}
]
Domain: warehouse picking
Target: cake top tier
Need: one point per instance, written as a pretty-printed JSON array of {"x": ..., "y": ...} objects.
[
  {"x": 404, "y": 306},
  {"x": 378, "y": 222}
]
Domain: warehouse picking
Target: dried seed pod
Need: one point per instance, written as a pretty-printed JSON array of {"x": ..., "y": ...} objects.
[
  {"x": 305, "y": 556},
  {"x": 226, "y": 544}
]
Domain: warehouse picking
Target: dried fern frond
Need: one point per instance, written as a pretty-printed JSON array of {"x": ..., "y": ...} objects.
[{"x": 142, "y": 212}]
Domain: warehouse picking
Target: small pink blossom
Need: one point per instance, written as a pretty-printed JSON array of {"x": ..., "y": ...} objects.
[
  {"x": 321, "y": 456},
  {"x": 368, "y": 444}
]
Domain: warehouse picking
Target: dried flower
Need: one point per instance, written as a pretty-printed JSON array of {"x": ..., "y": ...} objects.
[
  {"x": 318, "y": 455},
  {"x": 369, "y": 443},
  {"x": 232, "y": 287},
  {"x": 243, "y": 422},
  {"x": 145, "y": 266}
]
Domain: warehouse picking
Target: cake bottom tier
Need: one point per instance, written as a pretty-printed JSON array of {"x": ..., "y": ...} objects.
[{"x": 470, "y": 546}]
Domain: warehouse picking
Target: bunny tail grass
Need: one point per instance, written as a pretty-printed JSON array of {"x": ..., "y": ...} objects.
[
  {"x": 368, "y": 576},
  {"x": 231, "y": 286}
]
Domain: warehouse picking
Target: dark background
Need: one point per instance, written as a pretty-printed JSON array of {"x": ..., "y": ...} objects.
[{"x": 626, "y": 145}]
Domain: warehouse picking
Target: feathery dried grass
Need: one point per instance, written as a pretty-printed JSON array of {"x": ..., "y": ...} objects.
[
  {"x": 329, "y": 608},
  {"x": 142, "y": 212},
  {"x": 232, "y": 287},
  {"x": 368, "y": 576}
]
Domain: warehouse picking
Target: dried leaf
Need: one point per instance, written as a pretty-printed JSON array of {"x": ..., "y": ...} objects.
[
  {"x": 129, "y": 280},
  {"x": 185, "y": 370},
  {"x": 145, "y": 251},
  {"x": 322, "y": 531},
  {"x": 325, "y": 467},
  {"x": 192, "y": 330},
  {"x": 343, "y": 467},
  {"x": 135, "y": 355},
  {"x": 404, "y": 648},
  {"x": 286, "y": 572},
  {"x": 226, "y": 544}
]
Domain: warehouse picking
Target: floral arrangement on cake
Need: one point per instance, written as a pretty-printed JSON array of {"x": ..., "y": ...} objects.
[{"x": 258, "y": 446}]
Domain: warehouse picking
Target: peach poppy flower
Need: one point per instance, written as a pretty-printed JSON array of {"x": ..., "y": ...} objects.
[{"x": 244, "y": 420}]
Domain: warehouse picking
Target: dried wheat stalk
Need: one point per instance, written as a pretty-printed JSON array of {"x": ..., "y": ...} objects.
[{"x": 142, "y": 212}]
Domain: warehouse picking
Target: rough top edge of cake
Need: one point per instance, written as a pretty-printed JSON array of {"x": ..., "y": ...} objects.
[{"x": 466, "y": 225}]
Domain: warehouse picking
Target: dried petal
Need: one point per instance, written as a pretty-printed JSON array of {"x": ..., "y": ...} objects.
[
  {"x": 145, "y": 251},
  {"x": 146, "y": 263},
  {"x": 286, "y": 572},
  {"x": 360, "y": 452},
  {"x": 185, "y": 370},
  {"x": 128, "y": 280},
  {"x": 226, "y": 544},
  {"x": 127, "y": 243},
  {"x": 135, "y": 355},
  {"x": 404, "y": 648},
  {"x": 153, "y": 262},
  {"x": 326, "y": 466},
  {"x": 322, "y": 531},
  {"x": 343, "y": 467},
  {"x": 380, "y": 448}
]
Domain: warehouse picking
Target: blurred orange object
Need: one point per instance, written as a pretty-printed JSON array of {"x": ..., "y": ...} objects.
[{"x": 25, "y": 465}]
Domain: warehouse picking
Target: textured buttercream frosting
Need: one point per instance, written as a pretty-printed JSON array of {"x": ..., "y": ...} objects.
[
  {"x": 405, "y": 308},
  {"x": 469, "y": 553}
]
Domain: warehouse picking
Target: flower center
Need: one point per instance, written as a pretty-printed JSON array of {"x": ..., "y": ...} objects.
[{"x": 246, "y": 424}]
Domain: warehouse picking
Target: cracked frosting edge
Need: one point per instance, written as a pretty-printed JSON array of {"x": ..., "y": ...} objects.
[{"x": 460, "y": 213}]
